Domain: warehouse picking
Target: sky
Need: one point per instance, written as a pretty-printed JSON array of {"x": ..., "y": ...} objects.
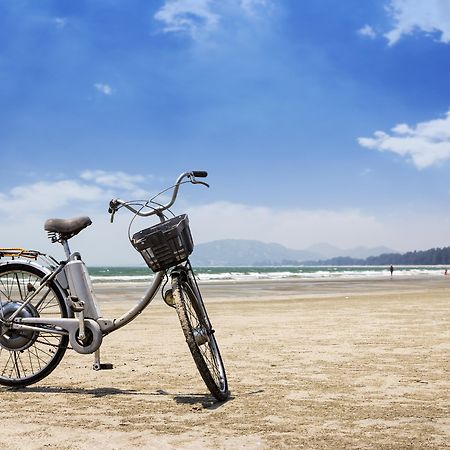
[{"x": 317, "y": 120}]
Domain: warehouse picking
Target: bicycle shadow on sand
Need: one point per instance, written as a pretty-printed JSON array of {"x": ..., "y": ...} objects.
[
  {"x": 95, "y": 392},
  {"x": 199, "y": 400}
]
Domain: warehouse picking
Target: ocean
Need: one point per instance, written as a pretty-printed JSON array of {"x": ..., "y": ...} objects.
[{"x": 215, "y": 274}]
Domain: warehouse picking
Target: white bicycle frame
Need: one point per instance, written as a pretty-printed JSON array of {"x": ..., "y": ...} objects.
[{"x": 71, "y": 277}]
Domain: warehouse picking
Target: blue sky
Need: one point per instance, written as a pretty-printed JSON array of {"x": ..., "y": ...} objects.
[{"x": 318, "y": 121}]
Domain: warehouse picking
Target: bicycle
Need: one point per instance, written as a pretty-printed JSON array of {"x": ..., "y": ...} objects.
[{"x": 48, "y": 306}]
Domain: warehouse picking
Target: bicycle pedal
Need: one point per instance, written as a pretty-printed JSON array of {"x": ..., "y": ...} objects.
[{"x": 102, "y": 366}]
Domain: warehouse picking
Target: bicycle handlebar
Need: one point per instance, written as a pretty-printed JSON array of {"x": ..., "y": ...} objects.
[
  {"x": 116, "y": 203},
  {"x": 199, "y": 173}
]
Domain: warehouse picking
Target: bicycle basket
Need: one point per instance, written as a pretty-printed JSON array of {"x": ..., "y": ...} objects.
[{"x": 166, "y": 244}]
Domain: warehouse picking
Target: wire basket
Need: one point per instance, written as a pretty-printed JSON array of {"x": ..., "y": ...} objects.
[{"x": 166, "y": 244}]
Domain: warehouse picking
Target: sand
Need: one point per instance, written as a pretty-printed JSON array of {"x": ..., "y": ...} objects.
[{"x": 320, "y": 365}]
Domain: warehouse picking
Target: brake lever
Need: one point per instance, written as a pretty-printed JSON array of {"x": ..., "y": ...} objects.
[
  {"x": 194, "y": 181},
  {"x": 112, "y": 209}
]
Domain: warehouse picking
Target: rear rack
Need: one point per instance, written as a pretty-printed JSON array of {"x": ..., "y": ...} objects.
[
  {"x": 21, "y": 253},
  {"x": 18, "y": 253}
]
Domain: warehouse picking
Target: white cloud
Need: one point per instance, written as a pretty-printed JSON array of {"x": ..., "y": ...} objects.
[
  {"x": 200, "y": 17},
  {"x": 102, "y": 243},
  {"x": 187, "y": 16},
  {"x": 367, "y": 31},
  {"x": 120, "y": 180},
  {"x": 47, "y": 196},
  {"x": 94, "y": 188},
  {"x": 60, "y": 22},
  {"x": 103, "y": 88},
  {"x": 25, "y": 208},
  {"x": 430, "y": 16},
  {"x": 294, "y": 228},
  {"x": 253, "y": 7},
  {"x": 427, "y": 144},
  {"x": 299, "y": 228}
]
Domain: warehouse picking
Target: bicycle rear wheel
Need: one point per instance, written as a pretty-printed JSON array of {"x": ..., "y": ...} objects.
[
  {"x": 27, "y": 356},
  {"x": 199, "y": 335}
]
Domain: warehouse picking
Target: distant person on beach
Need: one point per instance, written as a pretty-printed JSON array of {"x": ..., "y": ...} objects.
[{"x": 391, "y": 269}]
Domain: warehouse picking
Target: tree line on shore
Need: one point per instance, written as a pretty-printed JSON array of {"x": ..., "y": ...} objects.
[{"x": 433, "y": 256}]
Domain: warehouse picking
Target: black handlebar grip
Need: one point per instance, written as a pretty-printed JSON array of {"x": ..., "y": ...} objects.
[
  {"x": 200, "y": 173},
  {"x": 112, "y": 206}
]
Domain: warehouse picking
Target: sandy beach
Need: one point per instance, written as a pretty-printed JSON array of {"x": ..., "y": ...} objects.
[{"x": 327, "y": 364}]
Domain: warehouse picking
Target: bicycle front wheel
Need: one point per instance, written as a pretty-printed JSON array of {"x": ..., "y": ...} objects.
[
  {"x": 200, "y": 336},
  {"x": 27, "y": 356}
]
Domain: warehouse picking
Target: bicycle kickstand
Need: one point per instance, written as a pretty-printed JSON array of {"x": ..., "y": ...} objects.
[{"x": 98, "y": 365}]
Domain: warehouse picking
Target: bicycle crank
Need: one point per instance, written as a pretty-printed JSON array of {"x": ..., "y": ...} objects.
[{"x": 91, "y": 340}]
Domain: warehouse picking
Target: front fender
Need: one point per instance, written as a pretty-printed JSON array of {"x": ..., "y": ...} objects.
[{"x": 181, "y": 272}]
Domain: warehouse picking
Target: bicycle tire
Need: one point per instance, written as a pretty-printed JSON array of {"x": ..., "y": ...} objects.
[
  {"x": 27, "y": 357},
  {"x": 199, "y": 336}
]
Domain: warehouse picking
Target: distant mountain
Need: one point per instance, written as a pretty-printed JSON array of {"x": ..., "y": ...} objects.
[
  {"x": 237, "y": 252},
  {"x": 233, "y": 252}
]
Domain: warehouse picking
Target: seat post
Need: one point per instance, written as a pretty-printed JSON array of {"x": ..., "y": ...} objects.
[{"x": 65, "y": 244}]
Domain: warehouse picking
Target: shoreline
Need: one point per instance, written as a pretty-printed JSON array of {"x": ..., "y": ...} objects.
[
  {"x": 230, "y": 274},
  {"x": 224, "y": 290}
]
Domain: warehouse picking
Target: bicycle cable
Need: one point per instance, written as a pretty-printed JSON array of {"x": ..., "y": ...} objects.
[{"x": 147, "y": 205}]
